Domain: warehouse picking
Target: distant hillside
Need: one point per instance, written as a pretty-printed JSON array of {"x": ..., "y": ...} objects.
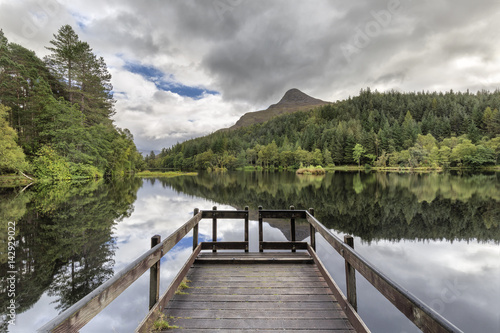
[
  {"x": 431, "y": 130},
  {"x": 294, "y": 100}
]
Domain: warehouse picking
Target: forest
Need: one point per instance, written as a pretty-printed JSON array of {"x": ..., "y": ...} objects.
[
  {"x": 390, "y": 129},
  {"x": 55, "y": 113}
]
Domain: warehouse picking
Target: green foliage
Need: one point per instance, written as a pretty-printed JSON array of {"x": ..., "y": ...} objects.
[
  {"x": 11, "y": 155},
  {"x": 64, "y": 103},
  {"x": 358, "y": 152},
  {"x": 48, "y": 164},
  {"x": 402, "y": 129}
]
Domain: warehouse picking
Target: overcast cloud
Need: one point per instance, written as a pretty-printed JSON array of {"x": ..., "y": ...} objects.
[{"x": 183, "y": 68}]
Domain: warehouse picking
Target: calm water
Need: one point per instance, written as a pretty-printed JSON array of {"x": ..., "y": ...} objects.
[{"x": 436, "y": 235}]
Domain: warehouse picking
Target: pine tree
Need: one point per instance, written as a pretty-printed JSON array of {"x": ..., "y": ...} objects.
[
  {"x": 67, "y": 51},
  {"x": 85, "y": 76}
]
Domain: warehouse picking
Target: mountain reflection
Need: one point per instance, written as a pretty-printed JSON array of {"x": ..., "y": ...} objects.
[
  {"x": 372, "y": 206},
  {"x": 64, "y": 238}
]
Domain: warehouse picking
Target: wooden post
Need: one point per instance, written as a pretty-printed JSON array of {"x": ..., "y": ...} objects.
[
  {"x": 261, "y": 232},
  {"x": 312, "y": 231},
  {"x": 214, "y": 230},
  {"x": 246, "y": 229},
  {"x": 292, "y": 228},
  {"x": 195, "y": 230},
  {"x": 350, "y": 275},
  {"x": 154, "y": 276}
]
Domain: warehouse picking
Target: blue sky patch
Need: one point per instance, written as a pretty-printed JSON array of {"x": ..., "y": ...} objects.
[{"x": 166, "y": 82}]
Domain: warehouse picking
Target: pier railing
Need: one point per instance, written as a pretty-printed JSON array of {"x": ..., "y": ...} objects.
[{"x": 84, "y": 310}]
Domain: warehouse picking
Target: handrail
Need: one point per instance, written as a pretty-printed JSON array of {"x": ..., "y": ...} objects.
[
  {"x": 80, "y": 313},
  {"x": 413, "y": 308}
]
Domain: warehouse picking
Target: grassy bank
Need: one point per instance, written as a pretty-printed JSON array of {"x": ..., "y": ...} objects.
[{"x": 168, "y": 174}]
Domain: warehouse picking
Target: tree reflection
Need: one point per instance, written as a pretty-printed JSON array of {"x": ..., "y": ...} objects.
[
  {"x": 372, "y": 206},
  {"x": 65, "y": 244}
]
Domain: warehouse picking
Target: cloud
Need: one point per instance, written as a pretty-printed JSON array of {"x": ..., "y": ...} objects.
[{"x": 186, "y": 62}]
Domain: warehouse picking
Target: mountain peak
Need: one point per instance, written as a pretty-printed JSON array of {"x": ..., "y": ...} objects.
[
  {"x": 297, "y": 98},
  {"x": 294, "y": 100}
]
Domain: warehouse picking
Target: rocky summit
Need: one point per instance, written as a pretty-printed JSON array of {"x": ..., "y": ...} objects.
[{"x": 294, "y": 100}]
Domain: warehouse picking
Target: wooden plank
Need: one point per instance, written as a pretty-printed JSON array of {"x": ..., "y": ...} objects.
[
  {"x": 259, "y": 291},
  {"x": 232, "y": 330},
  {"x": 282, "y": 214},
  {"x": 74, "y": 318},
  {"x": 298, "y": 305},
  {"x": 284, "y": 245},
  {"x": 413, "y": 308},
  {"x": 257, "y": 323},
  {"x": 154, "y": 313},
  {"x": 154, "y": 276},
  {"x": 239, "y": 260},
  {"x": 246, "y": 229},
  {"x": 249, "y": 279},
  {"x": 292, "y": 229},
  {"x": 214, "y": 229},
  {"x": 256, "y": 313},
  {"x": 328, "y": 300},
  {"x": 350, "y": 276},
  {"x": 224, "y": 245},
  {"x": 224, "y": 214},
  {"x": 299, "y": 254},
  {"x": 255, "y": 283}
]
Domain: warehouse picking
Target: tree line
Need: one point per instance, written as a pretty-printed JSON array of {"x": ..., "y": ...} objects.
[
  {"x": 55, "y": 113},
  {"x": 391, "y": 129}
]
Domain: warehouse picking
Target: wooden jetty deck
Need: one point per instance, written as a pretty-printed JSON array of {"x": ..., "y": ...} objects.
[
  {"x": 283, "y": 287},
  {"x": 241, "y": 292}
]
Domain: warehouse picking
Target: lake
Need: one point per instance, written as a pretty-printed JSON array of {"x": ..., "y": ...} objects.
[{"x": 437, "y": 235}]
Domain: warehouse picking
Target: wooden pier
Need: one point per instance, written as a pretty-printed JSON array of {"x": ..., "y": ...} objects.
[
  {"x": 241, "y": 292},
  {"x": 225, "y": 288}
]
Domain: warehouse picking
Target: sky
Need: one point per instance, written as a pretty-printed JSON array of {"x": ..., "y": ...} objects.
[{"x": 186, "y": 68}]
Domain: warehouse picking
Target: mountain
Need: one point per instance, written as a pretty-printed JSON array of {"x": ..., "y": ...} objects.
[{"x": 294, "y": 100}]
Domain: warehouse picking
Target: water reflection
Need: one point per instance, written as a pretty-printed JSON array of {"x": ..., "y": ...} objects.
[
  {"x": 435, "y": 234},
  {"x": 64, "y": 239},
  {"x": 372, "y": 206}
]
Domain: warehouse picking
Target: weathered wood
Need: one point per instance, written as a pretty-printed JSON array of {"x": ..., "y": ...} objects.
[
  {"x": 312, "y": 231},
  {"x": 154, "y": 313},
  {"x": 250, "y": 305},
  {"x": 246, "y": 229},
  {"x": 282, "y": 214},
  {"x": 350, "y": 276},
  {"x": 154, "y": 276},
  {"x": 74, "y": 318},
  {"x": 195, "y": 230},
  {"x": 258, "y": 283},
  {"x": 214, "y": 229},
  {"x": 232, "y": 330},
  {"x": 257, "y": 313},
  {"x": 414, "y": 309},
  {"x": 223, "y": 245},
  {"x": 292, "y": 229},
  {"x": 224, "y": 214},
  {"x": 352, "y": 315},
  {"x": 256, "y": 296},
  {"x": 293, "y": 301},
  {"x": 284, "y": 245},
  {"x": 261, "y": 231},
  {"x": 264, "y": 323}
]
